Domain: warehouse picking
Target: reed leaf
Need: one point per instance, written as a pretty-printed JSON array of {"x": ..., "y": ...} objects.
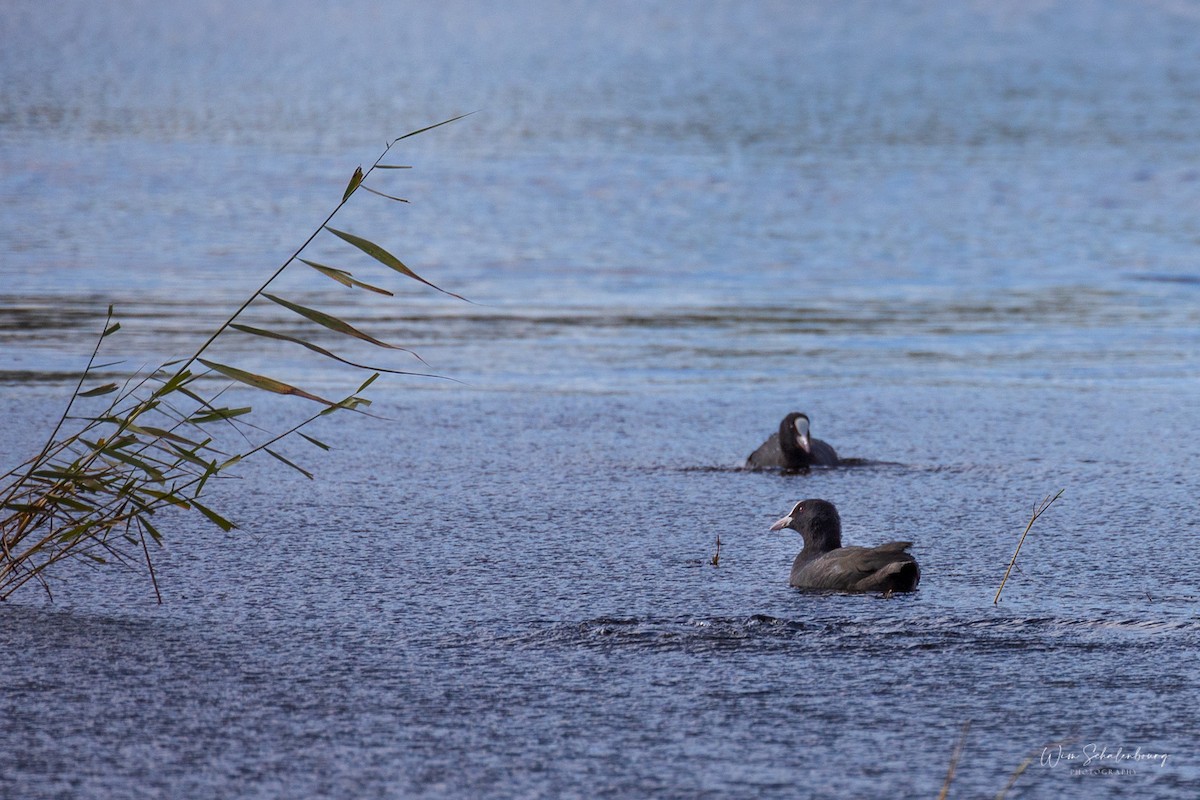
[
  {"x": 213, "y": 516},
  {"x": 150, "y": 529},
  {"x": 189, "y": 456},
  {"x": 24, "y": 508},
  {"x": 262, "y": 382},
  {"x": 227, "y": 463},
  {"x": 365, "y": 384},
  {"x": 74, "y": 532},
  {"x": 283, "y": 337},
  {"x": 349, "y": 404},
  {"x": 176, "y": 381},
  {"x": 161, "y": 497},
  {"x": 291, "y": 464},
  {"x": 355, "y": 180},
  {"x": 315, "y": 442},
  {"x": 151, "y": 472},
  {"x": 107, "y": 388},
  {"x": 427, "y": 128},
  {"x": 219, "y": 413},
  {"x": 55, "y": 474},
  {"x": 329, "y": 321},
  {"x": 212, "y": 470},
  {"x": 381, "y": 194},
  {"x": 387, "y": 259},
  {"x": 162, "y": 433},
  {"x": 62, "y": 499},
  {"x": 345, "y": 278}
]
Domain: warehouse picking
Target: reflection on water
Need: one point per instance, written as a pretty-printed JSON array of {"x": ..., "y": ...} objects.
[
  {"x": 1059, "y": 331},
  {"x": 763, "y": 632}
]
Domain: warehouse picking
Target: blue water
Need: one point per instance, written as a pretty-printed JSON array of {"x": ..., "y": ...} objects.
[{"x": 961, "y": 238}]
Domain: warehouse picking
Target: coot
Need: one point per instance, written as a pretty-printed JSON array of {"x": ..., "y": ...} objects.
[
  {"x": 791, "y": 447},
  {"x": 825, "y": 564}
]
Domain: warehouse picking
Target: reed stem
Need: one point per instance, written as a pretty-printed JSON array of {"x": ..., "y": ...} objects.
[
  {"x": 1037, "y": 512},
  {"x": 958, "y": 751}
]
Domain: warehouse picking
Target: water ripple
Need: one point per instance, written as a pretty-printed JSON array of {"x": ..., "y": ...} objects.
[{"x": 766, "y": 632}]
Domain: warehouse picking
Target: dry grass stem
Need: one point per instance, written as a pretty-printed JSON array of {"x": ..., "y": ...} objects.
[
  {"x": 958, "y": 751},
  {"x": 1037, "y": 512}
]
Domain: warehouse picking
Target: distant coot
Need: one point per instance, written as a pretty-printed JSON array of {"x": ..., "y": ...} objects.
[
  {"x": 791, "y": 447},
  {"x": 825, "y": 564}
]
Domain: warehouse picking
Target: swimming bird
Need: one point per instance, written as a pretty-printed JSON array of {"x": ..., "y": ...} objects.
[
  {"x": 825, "y": 564},
  {"x": 791, "y": 447}
]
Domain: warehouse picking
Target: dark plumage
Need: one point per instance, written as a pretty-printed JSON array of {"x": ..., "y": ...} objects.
[
  {"x": 825, "y": 564},
  {"x": 791, "y": 447}
]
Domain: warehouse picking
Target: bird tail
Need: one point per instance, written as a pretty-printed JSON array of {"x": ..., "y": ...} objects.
[{"x": 902, "y": 576}]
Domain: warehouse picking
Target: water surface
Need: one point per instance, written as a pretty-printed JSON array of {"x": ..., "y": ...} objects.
[{"x": 961, "y": 238}]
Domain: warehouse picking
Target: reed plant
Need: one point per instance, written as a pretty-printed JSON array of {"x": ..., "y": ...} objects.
[{"x": 162, "y": 435}]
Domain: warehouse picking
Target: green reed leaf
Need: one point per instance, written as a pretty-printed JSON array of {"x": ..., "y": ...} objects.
[
  {"x": 367, "y": 383},
  {"x": 213, "y": 469},
  {"x": 261, "y": 381},
  {"x": 316, "y": 442},
  {"x": 25, "y": 508},
  {"x": 188, "y": 455},
  {"x": 150, "y": 529},
  {"x": 213, "y": 516},
  {"x": 283, "y": 337},
  {"x": 318, "y": 349},
  {"x": 162, "y": 433},
  {"x": 355, "y": 180},
  {"x": 171, "y": 498},
  {"x": 291, "y": 464},
  {"x": 71, "y": 502},
  {"x": 387, "y": 259},
  {"x": 150, "y": 470},
  {"x": 218, "y": 413},
  {"x": 345, "y": 278},
  {"x": 350, "y": 404},
  {"x": 429, "y": 128},
  {"x": 175, "y": 382},
  {"x": 388, "y": 196},
  {"x": 76, "y": 531},
  {"x": 107, "y": 388},
  {"x": 69, "y": 474},
  {"x": 329, "y": 321}
]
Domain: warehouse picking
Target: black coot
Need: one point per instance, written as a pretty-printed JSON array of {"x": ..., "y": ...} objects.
[
  {"x": 825, "y": 564},
  {"x": 791, "y": 447}
]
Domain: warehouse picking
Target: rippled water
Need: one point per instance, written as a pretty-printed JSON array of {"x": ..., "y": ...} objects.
[{"x": 962, "y": 238}]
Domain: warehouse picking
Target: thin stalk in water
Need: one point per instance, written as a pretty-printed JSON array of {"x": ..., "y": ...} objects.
[{"x": 1037, "y": 512}]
